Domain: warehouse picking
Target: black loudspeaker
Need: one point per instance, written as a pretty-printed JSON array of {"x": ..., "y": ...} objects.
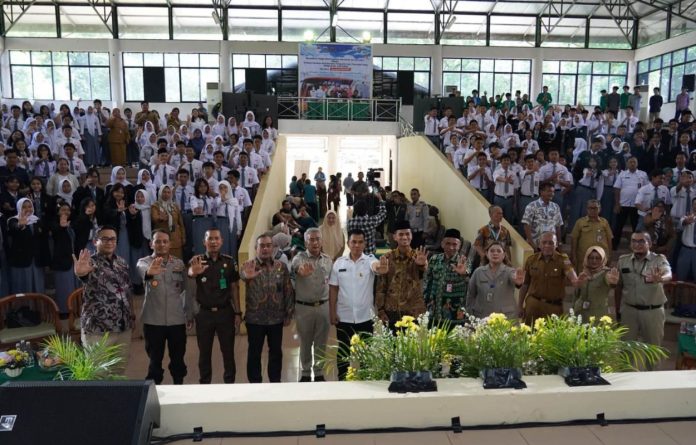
[
  {"x": 234, "y": 105},
  {"x": 256, "y": 80},
  {"x": 689, "y": 82},
  {"x": 85, "y": 413},
  {"x": 153, "y": 84},
  {"x": 404, "y": 81}
]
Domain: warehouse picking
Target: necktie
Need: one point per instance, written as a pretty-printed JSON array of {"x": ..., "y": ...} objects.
[
  {"x": 481, "y": 180},
  {"x": 242, "y": 177},
  {"x": 93, "y": 190},
  {"x": 227, "y": 210},
  {"x": 15, "y": 125},
  {"x": 47, "y": 173},
  {"x": 219, "y": 172},
  {"x": 655, "y": 198},
  {"x": 592, "y": 179},
  {"x": 234, "y": 192},
  {"x": 507, "y": 186},
  {"x": 72, "y": 166},
  {"x": 531, "y": 184},
  {"x": 164, "y": 174},
  {"x": 191, "y": 170},
  {"x": 687, "y": 206},
  {"x": 182, "y": 199}
]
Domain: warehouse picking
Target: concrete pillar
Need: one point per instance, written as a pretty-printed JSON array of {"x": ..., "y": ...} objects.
[
  {"x": 537, "y": 64},
  {"x": 117, "y": 96},
  {"x": 436, "y": 70},
  {"x": 225, "y": 66}
]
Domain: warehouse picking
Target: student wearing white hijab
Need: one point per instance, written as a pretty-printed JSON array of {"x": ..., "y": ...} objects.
[
  {"x": 148, "y": 129},
  {"x": 24, "y": 250},
  {"x": 65, "y": 191},
  {"x": 145, "y": 183},
  {"x": 91, "y": 133},
  {"x": 139, "y": 226},
  {"x": 219, "y": 128},
  {"x": 251, "y": 124},
  {"x": 229, "y": 214},
  {"x": 118, "y": 176}
]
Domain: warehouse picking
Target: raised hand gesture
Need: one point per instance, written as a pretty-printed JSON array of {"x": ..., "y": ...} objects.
[
  {"x": 583, "y": 277},
  {"x": 198, "y": 265},
  {"x": 421, "y": 257},
  {"x": 383, "y": 266},
  {"x": 83, "y": 266},
  {"x": 132, "y": 210},
  {"x": 613, "y": 276},
  {"x": 461, "y": 267},
  {"x": 23, "y": 219},
  {"x": 655, "y": 275},
  {"x": 249, "y": 270},
  {"x": 305, "y": 269},
  {"x": 156, "y": 267},
  {"x": 121, "y": 205},
  {"x": 518, "y": 276}
]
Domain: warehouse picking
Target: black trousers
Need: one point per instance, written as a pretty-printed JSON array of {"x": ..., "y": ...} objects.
[
  {"x": 208, "y": 324},
  {"x": 624, "y": 214},
  {"x": 156, "y": 339},
  {"x": 257, "y": 334},
  {"x": 344, "y": 331}
]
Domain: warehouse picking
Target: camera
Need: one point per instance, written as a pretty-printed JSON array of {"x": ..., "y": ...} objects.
[{"x": 372, "y": 175}]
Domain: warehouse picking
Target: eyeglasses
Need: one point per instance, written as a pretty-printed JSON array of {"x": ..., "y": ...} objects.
[
  {"x": 108, "y": 239},
  {"x": 639, "y": 241}
]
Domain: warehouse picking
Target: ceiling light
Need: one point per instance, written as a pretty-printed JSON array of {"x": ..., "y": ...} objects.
[
  {"x": 309, "y": 35},
  {"x": 366, "y": 37}
]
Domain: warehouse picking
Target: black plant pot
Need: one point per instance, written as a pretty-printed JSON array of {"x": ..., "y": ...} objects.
[
  {"x": 582, "y": 376},
  {"x": 497, "y": 378},
  {"x": 412, "y": 381}
]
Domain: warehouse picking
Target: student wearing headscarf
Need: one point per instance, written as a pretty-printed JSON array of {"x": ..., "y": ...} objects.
[
  {"x": 229, "y": 218},
  {"x": 197, "y": 141},
  {"x": 139, "y": 227},
  {"x": 62, "y": 173},
  {"x": 118, "y": 176},
  {"x": 251, "y": 124},
  {"x": 63, "y": 236},
  {"x": 167, "y": 216},
  {"x": 591, "y": 299},
  {"x": 24, "y": 250},
  {"x": 219, "y": 128},
  {"x": 91, "y": 134},
  {"x": 333, "y": 241},
  {"x": 145, "y": 183},
  {"x": 232, "y": 127},
  {"x": 65, "y": 193}
]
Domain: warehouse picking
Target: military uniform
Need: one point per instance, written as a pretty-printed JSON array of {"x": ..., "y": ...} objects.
[
  {"x": 545, "y": 281},
  {"x": 642, "y": 302},
  {"x": 216, "y": 315}
]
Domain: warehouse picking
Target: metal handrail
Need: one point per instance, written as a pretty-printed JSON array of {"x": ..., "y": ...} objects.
[
  {"x": 405, "y": 128},
  {"x": 331, "y": 108}
]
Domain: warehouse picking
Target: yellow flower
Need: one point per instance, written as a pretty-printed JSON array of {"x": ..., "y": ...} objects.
[
  {"x": 355, "y": 340},
  {"x": 593, "y": 319},
  {"x": 606, "y": 319},
  {"x": 525, "y": 328},
  {"x": 350, "y": 374},
  {"x": 406, "y": 322},
  {"x": 496, "y": 318},
  {"x": 539, "y": 324}
]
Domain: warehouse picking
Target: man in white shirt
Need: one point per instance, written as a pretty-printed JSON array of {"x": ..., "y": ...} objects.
[
  {"x": 220, "y": 172},
  {"x": 240, "y": 194},
  {"x": 686, "y": 264},
  {"x": 248, "y": 178},
  {"x": 553, "y": 172},
  {"x": 163, "y": 173},
  {"x": 650, "y": 194},
  {"x": 682, "y": 194},
  {"x": 625, "y": 191},
  {"x": 529, "y": 187},
  {"x": 15, "y": 121},
  {"x": 431, "y": 127},
  {"x": 630, "y": 120},
  {"x": 506, "y": 183},
  {"x": 65, "y": 137},
  {"x": 75, "y": 164},
  {"x": 193, "y": 165},
  {"x": 178, "y": 157},
  {"x": 480, "y": 175},
  {"x": 351, "y": 292}
]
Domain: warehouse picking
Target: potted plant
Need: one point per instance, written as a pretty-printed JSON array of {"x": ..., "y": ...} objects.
[
  {"x": 410, "y": 357},
  {"x": 495, "y": 349},
  {"x": 99, "y": 361},
  {"x": 579, "y": 351},
  {"x": 12, "y": 362}
]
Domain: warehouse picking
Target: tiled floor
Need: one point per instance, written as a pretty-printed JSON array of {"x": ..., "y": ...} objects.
[{"x": 671, "y": 433}]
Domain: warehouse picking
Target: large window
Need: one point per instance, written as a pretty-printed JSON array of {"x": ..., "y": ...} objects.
[
  {"x": 574, "y": 82},
  {"x": 280, "y": 71},
  {"x": 493, "y": 76},
  {"x": 666, "y": 71},
  {"x": 386, "y": 71},
  {"x": 185, "y": 74},
  {"x": 49, "y": 75}
]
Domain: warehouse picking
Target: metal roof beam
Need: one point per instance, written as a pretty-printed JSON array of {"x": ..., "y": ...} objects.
[
  {"x": 666, "y": 8},
  {"x": 560, "y": 16},
  {"x": 104, "y": 9},
  {"x": 11, "y": 15},
  {"x": 619, "y": 12}
]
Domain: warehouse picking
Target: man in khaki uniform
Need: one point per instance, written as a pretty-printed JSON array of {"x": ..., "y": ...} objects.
[
  {"x": 640, "y": 296},
  {"x": 543, "y": 290},
  {"x": 590, "y": 230}
]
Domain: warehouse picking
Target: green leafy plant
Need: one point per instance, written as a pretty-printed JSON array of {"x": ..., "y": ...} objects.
[
  {"x": 412, "y": 348},
  {"x": 98, "y": 361},
  {"x": 492, "y": 342},
  {"x": 568, "y": 342}
]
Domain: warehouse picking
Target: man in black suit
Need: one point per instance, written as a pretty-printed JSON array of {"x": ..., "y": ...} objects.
[{"x": 90, "y": 189}]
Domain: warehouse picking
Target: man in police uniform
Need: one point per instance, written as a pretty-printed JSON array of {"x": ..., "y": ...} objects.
[
  {"x": 543, "y": 290},
  {"x": 217, "y": 293},
  {"x": 311, "y": 270},
  {"x": 639, "y": 296},
  {"x": 167, "y": 309}
]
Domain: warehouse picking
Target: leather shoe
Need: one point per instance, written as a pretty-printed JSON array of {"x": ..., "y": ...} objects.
[{"x": 305, "y": 378}]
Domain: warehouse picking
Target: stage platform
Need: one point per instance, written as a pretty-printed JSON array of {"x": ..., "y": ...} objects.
[{"x": 367, "y": 405}]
